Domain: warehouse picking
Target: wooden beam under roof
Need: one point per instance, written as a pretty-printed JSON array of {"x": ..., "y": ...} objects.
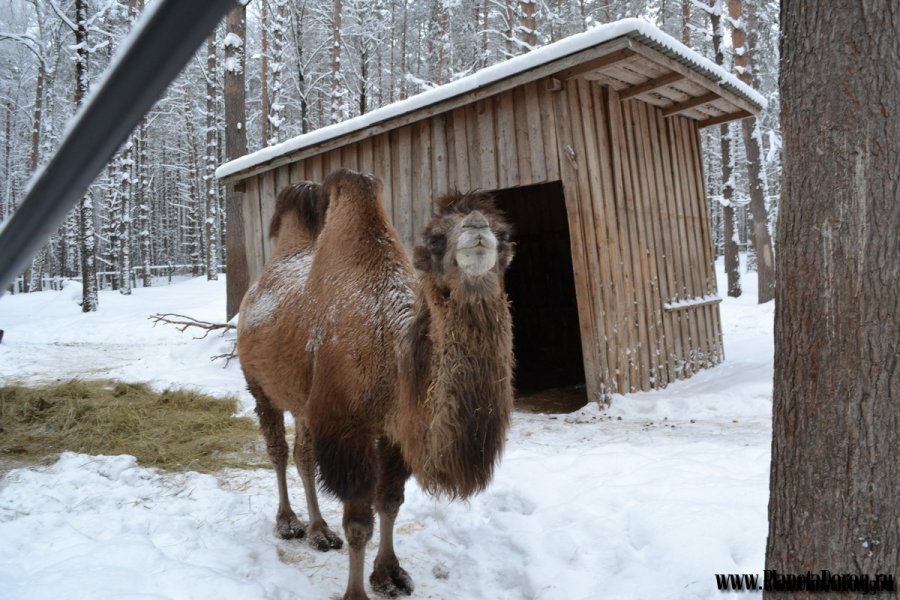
[
  {"x": 649, "y": 86},
  {"x": 689, "y": 104},
  {"x": 735, "y": 116},
  {"x": 702, "y": 80},
  {"x": 598, "y": 63}
]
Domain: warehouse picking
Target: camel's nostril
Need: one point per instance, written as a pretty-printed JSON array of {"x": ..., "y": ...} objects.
[{"x": 475, "y": 220}]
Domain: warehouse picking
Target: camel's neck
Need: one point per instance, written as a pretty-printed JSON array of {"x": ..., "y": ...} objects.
[{"x": 461, "y": 391}]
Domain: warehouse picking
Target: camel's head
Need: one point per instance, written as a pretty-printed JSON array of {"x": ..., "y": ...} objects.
[
  {"x": 467, "y": 242},
  {"x": 299, "y": 214}
]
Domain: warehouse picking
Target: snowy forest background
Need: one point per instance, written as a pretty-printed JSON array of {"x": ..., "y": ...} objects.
[{"x": 157, "y": 209}]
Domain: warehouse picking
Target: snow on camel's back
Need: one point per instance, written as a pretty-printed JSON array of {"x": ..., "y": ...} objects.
[{"x": 386, "y": 375}]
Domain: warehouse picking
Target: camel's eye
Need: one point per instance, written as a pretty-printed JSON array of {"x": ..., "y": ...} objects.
[
  {"x": 437, "y": 242},
  {"x": 503, "y": 236}
]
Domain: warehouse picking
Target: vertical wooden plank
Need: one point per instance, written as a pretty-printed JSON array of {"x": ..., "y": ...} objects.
[
  {"x": 473, "y": 149},
  {"x": 267, "y": 207},
  {"x": 331, "y": 162},
  {"x": 314, "y": 171},
  {"x": 642, "y": 274},
  {"x": 703, "y": 248},
  {"x": 348, "y": 157},
  {"x": 617, "y": 229},
  {"x": 536, "y": 142},
  {"x": 462, "y": 179},
  {"x": 694, "y": 236},
  {"x": 366, "y": 159},
  {"x": 421, "y": 178},
  {"x": 572, "y": 191},
  {"x": 711, "y": 285},
  {"x": 677, "y": 170},
  {"x": 657, "y": 224},
  {"x": 298, "y": 171},
  {"x": 253, "y": 229},
  {"x": 450, "y": 138},
  {"x": 647, "y": 217},
  {"x": 440, "y": 168},
  {"x": 382, "y": 170},
  {"x": 403, "y": 186},
  {"x": 672, "y": 240},
  {"x": 590, "y": 196},
  {"x": 523, "y": 143},
  {"x": 636, "y": 323},
  {"x": 553, "y": 152},
  {"x": 486, "y": 154},
  {"x": 505, "y": 141},
  {"x": 605, "y": 221}
]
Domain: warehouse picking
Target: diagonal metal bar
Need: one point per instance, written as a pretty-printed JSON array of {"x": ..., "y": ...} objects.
[{"x": 165, "y": 38}]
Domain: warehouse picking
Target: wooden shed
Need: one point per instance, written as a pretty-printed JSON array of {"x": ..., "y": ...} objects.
[{"x": 591, "y": 146}]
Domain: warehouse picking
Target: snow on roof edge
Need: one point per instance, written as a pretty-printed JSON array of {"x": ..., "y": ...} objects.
[{"x": 546, "y": 54}]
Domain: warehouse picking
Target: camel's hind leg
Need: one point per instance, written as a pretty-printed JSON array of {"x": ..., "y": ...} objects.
[
  {"x": 271, "y": 422},
  {"x": 388, "y": 577},
  {"x": 319, "y": 535}
]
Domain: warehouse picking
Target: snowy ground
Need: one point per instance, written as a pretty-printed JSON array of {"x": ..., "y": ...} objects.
[{"x": 648, "y": 499}]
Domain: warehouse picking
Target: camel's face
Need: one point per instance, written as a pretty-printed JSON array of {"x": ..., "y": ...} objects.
[
  {"x": 467, "y": 241},
  {"x": 476, "y": 244}
]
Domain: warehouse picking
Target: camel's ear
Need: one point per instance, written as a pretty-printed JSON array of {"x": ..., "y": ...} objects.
[{"x": 422, "y": 259}]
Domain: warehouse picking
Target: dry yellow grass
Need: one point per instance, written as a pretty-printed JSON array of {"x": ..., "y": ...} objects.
[{"x": 172, "y": 430}]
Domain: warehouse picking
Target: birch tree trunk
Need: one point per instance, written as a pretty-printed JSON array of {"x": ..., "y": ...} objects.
[
  {"x": 337, "y": 86},
  {"x": 210, "y": 159},
  {"x": 86, "y": 238},
  {"x": 835, "y": 480},
  {"x": 126, "y": 190},
  {"x": 275, "y": 116},
  {"x": 264, "y": 70}
]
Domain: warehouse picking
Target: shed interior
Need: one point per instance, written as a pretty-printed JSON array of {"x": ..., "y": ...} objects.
[{"x": 541, "y": 287}]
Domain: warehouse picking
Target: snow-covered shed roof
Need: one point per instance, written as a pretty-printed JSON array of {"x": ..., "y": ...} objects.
[{"x": 631, "y": 56}]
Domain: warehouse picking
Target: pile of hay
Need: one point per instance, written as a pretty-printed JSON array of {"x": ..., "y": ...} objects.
[{"x": 173, "y": 429}]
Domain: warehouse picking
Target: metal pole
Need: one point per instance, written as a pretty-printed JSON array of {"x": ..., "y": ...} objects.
[{"x": 166, "y": 37}]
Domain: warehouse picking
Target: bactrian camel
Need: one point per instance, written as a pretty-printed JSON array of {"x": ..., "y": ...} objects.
[{"x": 386, "y": 374}]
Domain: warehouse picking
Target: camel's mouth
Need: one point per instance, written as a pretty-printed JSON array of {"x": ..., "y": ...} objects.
[{"x": 476, "y": 250}]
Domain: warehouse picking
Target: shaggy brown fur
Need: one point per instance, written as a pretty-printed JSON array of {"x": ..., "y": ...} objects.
[
  {"x": 456, "y": 362},
  {"x": 385, "y": 387}
]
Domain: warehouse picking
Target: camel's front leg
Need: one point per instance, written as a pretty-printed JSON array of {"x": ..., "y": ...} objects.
[
  {"x": 319, "y": 535},
  {"x": 358, "y": 526},
  {"x": 271, "y": 422},
  {"x": 388, "y": 577}
]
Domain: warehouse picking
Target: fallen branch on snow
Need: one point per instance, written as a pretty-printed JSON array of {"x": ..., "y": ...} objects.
[{"x": 183, "y": 322}]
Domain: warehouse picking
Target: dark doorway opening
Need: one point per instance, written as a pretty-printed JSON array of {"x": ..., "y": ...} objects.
[{"x": 541, "y": 287}]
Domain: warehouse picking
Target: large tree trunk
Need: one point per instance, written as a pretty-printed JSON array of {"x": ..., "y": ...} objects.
[
  {"x": 238, "y": 279},
  {"x": 86, "y": 238},
  {"x": 732, "y": 258},
  {"x": 528, "y": 26},
  {"x": 835, "y": 481},
  {"x": 762, "y": 240}
]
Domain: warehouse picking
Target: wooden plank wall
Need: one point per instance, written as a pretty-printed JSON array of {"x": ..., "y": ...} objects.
[
  {"x": 634, "y": 186},
  {"x": 634, "y": 193}
]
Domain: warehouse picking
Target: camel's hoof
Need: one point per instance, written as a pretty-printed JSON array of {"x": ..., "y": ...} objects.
[
  {"x": 322, "y": 538},
  {"x": 391, "y": 581},
  {"x": 289, "y": 527},
  {"x": 355, "y": 596}
]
